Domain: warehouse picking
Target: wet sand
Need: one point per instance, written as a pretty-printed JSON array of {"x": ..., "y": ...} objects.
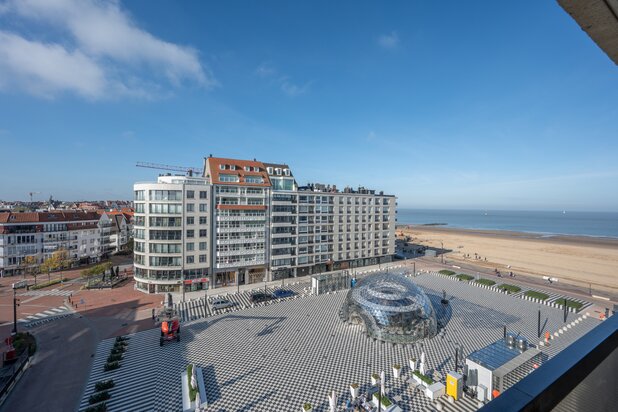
[{"x": 578, "y": 260}]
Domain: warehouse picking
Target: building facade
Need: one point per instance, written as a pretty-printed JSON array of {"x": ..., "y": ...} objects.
[
  {"x": 84, "y": 235},
  {"x": 244, "y": 222}
]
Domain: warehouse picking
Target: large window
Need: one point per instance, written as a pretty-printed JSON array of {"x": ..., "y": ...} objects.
[
  {"x": 165, "y": 261},
  {"x": 139, "y": 195},
  {"x": 202, "y": 194},
  {"x": 165, "y": 195},
  {"x": 228, "y": 178},
  {"x": 165, "y": 235},
  {"x": 165, "y": 221},
  {"x": 139, "y": 208},
  {"x": 165, "y": 208},
  {"x": 165, "y": 248},
  {"x": 254, "y": 179},
  {"x": 282, "y": 184}
]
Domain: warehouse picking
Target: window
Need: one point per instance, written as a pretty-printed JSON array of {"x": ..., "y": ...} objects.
[
  {"x": 202, "y": 194},
  {"x": 165, "y": 195},
  {"x": 222, "y": 167},
  {"x": 139, "y": 208},
  {"x": 202, "y": 207},
  {"x": 254, "y": 179},
  {"x": 165, "y": 208},
  {"x": 190, "y": 233},
  {"x": 203, "y": 233},
  {"x": 202, "y": 258},
  {"x": 256, "y": 169},
  {"x": 190, "y": 207},
  {"x": 139, "y": 195},
  {"x": 190, "y": 194},
  {"x": 202, "y": 220},
  {"x": 202, "y": 245},
  {"x": 190, "y": 259},
  {"x": 270, "y": 170},
  {"x": 190, "y": 220},
  {"x": 228, "y": 178},
  {"x": 190, "y": 247},
  {"x": 247, "y": 168}
]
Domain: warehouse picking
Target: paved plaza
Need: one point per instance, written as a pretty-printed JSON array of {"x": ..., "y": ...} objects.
[{"x": 278, "y": 356}]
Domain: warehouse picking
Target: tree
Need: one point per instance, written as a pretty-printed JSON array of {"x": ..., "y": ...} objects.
[
  {"x": 58, "y": 260},
  {"x": 30, "y": 267}
]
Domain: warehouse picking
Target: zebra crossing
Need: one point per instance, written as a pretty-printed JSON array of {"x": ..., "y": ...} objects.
[
  {"x": 53, "y": 292},
  {"x": 45, "y": 316}
]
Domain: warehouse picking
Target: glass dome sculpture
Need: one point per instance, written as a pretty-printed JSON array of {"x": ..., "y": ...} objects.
[{"x": 391, "y": 308}]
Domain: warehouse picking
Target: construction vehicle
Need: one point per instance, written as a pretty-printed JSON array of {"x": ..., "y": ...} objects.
[{"x": 170, "y": 322}]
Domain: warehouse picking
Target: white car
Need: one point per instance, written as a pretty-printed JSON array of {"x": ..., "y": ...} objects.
[{"x": 221, "y": 304}]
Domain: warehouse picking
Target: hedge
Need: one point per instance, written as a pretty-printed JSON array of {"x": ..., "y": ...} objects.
[
  {"x": 510, "y": 288},
  {"x": 447, "y": 272},
  {"x": 486, "y": 282},
  {"x": 424, "y": 378},
  {"x": 536, "y": 295},
  {"x": 385, "y": 401},
  {"x": 463, "y": 276},
  {"x": 46, "y": 284},
  {"x": 570, "y": 303},
  {"x": 98, "y": 397},
  {"x": 103, "y": 385},
  {"x": 192, "y": 392},
  {"x": 110, "y": 366}
]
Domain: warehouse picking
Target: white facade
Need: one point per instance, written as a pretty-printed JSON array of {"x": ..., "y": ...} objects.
[
  {"x": 85, "y": 236},
  {"x": 246, "y": 221}
]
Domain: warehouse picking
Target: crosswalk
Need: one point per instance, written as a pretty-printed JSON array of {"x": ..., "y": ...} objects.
[
  {"x": 53, "y": 292},
  {"x": 45, "y": 316}
]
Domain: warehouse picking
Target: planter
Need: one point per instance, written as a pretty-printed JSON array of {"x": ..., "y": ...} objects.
[
  {"x": 413, "y": 364},
  {"x": 435, "y": 390},
  {"x": 375, "y": 379},
  {"x": 307, "y": 408},
  {"x": 187, "y": 404},
  {"x": 354, "y": 390},
  {"x": 396, "y": 371}
]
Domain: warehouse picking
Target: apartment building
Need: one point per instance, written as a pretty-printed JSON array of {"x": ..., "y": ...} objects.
[
  {"x": 84, "y": 235},
  {"x": 251, "y": 222}
]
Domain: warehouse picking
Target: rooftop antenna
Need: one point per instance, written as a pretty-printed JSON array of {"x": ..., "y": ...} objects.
[{"x": 31, "y": 194}]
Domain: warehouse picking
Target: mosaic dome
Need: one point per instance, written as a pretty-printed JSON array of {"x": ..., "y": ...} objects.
[{"x": 391, "y": 308}]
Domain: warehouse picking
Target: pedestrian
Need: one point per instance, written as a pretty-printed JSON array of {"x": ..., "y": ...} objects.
[{"x": 153, "y": 313}]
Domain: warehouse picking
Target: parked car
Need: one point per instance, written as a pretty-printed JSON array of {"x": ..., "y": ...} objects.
[
  {"x": 282, "y": 293},
  {"x": 257, "y": 297},
  {"x": 221, "y": 304}
]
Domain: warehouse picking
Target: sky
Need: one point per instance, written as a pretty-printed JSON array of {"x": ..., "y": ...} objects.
[{"x": 488, "y": 105}]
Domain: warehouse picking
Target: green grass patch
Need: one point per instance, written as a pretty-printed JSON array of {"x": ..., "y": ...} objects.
[
  {"x": 104, "y": 385},
  {"x": 424, "y": 378},
  {"x": 446, "y": 272},
  {"x": 23, "y": 342},
  {"x": 99, "y": 397},
  {"x": 570, "y": 303},
  {"x": 385, "y": 401},
  {"x": 46, "y": 284},
  {"x": 536, "y": 295},
  {"x": 510, "y": 288},
  {"x": 192, "y": 392},
  {"x": 486, "y": 282},
  {"x": 463, "y": 276}
]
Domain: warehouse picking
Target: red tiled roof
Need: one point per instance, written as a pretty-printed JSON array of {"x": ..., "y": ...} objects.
[
  {"x": 51, "y": 216},
  {"x": 213, "y": 171}
]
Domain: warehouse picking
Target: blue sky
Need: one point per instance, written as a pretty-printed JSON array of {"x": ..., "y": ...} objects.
[{"x": 486, "y": 105}]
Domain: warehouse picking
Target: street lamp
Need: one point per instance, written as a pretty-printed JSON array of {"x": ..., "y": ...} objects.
[
  {"x": 442, "y": 251},
  {"x": 14, "y": 332}
]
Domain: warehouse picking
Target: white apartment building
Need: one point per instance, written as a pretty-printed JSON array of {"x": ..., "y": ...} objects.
[
  {"x": 84, "y": 235},
  {"x": 250, "y": 222}
]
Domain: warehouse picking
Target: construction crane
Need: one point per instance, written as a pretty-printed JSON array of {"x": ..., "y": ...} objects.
[
  {"x": 188, "y": 170},
  {"x": 31, "y": 194}
]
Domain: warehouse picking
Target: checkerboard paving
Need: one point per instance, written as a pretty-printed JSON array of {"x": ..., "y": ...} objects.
[{"x": 277, "y": 357}]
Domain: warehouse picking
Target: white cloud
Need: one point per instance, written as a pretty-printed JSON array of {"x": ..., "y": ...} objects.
[
  {"x": 389, "y": 41},
  {"x": 268, "y": 70},
  {"x": 100, "y": 38}
]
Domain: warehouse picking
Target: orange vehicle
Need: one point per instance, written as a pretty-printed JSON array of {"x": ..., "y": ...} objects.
[{"x": 170, "y": 322}]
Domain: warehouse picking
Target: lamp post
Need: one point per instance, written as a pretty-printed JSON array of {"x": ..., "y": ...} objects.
[
  {"x": 14, "y": 332},
  {"x": 205, "y": 286},
  {"x": 442, "y": 251}
]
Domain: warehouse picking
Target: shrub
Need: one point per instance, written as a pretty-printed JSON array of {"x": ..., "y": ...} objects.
[
  {"x": 375, "y": 376},
  {"x": 23, "y": 341},
  {"x": 102, "y": 407},
  {"x": 121, "y": 339},
  {"x": 110, "y": 366},
  {"x": 396, "y": 366},
  {"x": 46, "y": 284},
  {"x": 98, "y": 397},
  {"x": 447, "y": 272},
  {"x": 354, "y": 385},
  {"x": 385, "y": 401},
  {"x": 510, "y": 288},
  {"x": 103, "y": 385},
  {"x": 536, "y": 295},
  {"x": 486, "y": 282},
  {"x": 116, "y": 351},
  {"x": 192, "y": 392},
  {"x": 462, "y": 276},
  {"x": 114, "y": 357},
  {"x": 570, "y": 303},
  {"x": 307, "y": 406},
  {"x": 424, "y": 378}
]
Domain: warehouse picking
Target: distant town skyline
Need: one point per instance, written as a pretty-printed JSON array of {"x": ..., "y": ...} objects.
[{"x": 482, "y": 106}]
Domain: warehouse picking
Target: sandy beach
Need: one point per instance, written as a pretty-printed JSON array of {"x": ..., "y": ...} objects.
[{"x": 572, "y": 259}]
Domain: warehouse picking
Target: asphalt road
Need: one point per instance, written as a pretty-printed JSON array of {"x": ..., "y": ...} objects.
[{"x": 55, "y": 379}]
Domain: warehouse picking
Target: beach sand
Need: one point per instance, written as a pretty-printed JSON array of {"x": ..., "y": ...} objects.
[{"x": 572, "y": 259}]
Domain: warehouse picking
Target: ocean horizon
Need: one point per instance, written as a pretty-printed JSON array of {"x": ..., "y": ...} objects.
[{"x": 593, "y": 224}]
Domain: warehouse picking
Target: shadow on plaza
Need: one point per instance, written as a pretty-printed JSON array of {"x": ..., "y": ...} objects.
[{"x": 443, "y": 312}]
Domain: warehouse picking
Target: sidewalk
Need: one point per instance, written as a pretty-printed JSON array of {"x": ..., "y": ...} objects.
[{"x": 177, "y": 296}]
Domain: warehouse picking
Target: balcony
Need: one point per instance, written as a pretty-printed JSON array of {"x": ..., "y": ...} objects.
[
  {"x": 240, "y": 229},
  {"x": 241, "y": 263}
]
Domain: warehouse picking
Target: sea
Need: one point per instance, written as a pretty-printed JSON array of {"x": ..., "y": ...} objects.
[{"x": 595, "y": 224}]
